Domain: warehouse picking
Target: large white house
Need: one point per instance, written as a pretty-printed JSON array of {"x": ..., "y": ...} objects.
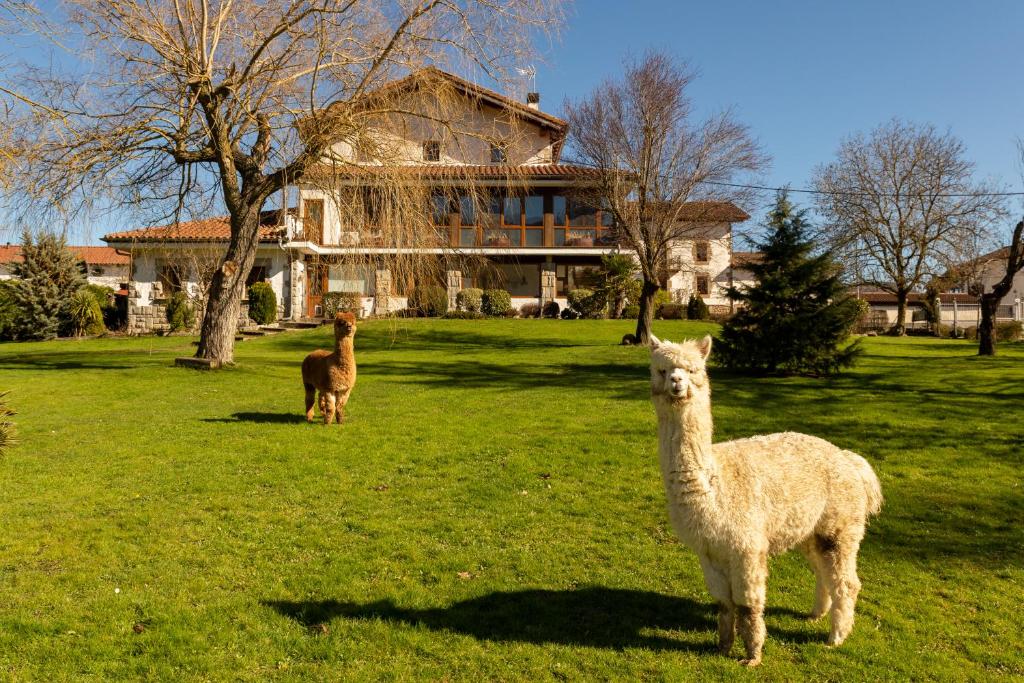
[{"x": 497, "y": 193}]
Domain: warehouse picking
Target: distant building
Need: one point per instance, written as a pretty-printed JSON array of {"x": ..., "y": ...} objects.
[{"x": 103, "y": 265}]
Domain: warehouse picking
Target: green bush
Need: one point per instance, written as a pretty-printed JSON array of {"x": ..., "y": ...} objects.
[
  {"x": 469, "y": 299},
  {"x": 430, "y": 301},
  {"x": 342, "y": 302},
  {"x": 661, "y": 297},
  {"x": 463, "y": 315},
  {"x": 632, "y": 311},
  {"x": 263, "y": 303},
  {"x": 495, "y": 302},
  {"x": 180, "y": 314},
  {"x": 551, "y": 309},
  {"x": 8, "y": 309},
  {"x": 587, "y": 303},
  {"x": 696, "y": 309},
  {"x": 530, "y": 310},
  {"x": 1008, "y": 331},
  {"x": 83, "y": 315},
  {"x": 112, "y": 316},
  {"x": 672, "y": 312}
]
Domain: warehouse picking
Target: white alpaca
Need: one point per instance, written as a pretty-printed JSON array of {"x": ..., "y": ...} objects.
[{"x": 735, "y": 503}]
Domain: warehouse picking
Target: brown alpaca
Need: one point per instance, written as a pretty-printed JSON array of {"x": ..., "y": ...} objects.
[{"x": 333, "y": 373}]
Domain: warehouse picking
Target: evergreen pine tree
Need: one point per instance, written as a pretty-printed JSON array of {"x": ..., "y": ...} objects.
[
  {"x": 798, "y": 315},
  {"x": 50, "y": 275}
]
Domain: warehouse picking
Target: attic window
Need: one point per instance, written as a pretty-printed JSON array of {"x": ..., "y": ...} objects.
[
  {"x": 700, "y": 251},
  {"x": 498, "y": 155},
  {"x": 431, "y": 150}
]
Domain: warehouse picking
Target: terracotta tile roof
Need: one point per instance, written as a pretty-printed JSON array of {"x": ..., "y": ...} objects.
[
  {"x": 462, "y": 171},
  {"x": 744, "y": 258},
  {"x": 916, "y": 298},
  {"x": 414, "y": 79},
  {"x": 215, "y": 229},
  {"x": 101, "y": 256}
]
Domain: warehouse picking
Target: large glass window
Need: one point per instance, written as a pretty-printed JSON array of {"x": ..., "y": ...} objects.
[
  {"x": 467, "y": 209},
  {"x": 558, "y": 209},
  {"x": 534, "y": 205},
  {"x": 513, "y": 211},
  {"x": 440, "y": 206},
  {"x": 350, "y": 278},
  {"x": 582, "y": 214}
]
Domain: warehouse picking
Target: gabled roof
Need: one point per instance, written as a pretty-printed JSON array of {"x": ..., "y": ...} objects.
[
  {"x": 724, "y": 212},
  {"x": 99, "y": 256},
  {"x": 474, "y": 91},
  {"x": 216, "y": 229}
]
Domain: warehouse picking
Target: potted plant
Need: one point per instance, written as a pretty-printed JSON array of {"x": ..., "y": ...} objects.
[{"x": 579, "y": 239}]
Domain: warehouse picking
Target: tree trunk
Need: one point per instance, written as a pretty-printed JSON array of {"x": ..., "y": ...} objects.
[
  {"x": 986, "y": 327},
  {"x": 223, "y": 302},
  {"x": 643, "y": 321},
  {"x": 900, "y": 328}
]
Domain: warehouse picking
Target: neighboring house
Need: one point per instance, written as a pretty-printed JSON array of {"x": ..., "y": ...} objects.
[
  {"x": 519, "y": 223},
  {"x": 103, "y": 265},
  {"x": 958, "y": 309},
  {"x": 986, "y": 271}
]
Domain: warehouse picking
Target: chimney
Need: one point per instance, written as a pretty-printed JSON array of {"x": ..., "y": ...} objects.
[{"x": 533, "y": 100}]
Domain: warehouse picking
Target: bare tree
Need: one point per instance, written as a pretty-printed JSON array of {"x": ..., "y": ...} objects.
[
  {"x": 657, "y": 169},
  {"x": 989, "y": 300},
  {"x": 900, "y": 205},
  {"x": 223, "y": 103}
]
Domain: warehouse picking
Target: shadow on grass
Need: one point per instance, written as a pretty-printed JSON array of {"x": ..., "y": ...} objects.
[
  {"x": 594, "y": 617},
  {"x": 260, "y": 418}
]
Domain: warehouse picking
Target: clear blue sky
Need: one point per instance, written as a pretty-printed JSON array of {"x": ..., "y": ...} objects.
[{"x": 804, "y": 74}]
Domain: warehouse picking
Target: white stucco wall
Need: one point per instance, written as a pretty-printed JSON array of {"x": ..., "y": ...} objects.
[{"x": 683, "y": 282}]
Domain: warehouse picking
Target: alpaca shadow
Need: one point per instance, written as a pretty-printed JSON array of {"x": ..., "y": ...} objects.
[
  {"x": 260, "y": 418},
  {"x": 593, "y": 617}
]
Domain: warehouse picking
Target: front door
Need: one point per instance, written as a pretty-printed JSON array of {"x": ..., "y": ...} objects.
[{"x": 316, "y": 285}]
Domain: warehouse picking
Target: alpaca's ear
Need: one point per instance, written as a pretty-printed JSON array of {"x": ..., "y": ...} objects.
[
  {"x": 655, "y": 342},
  {"x": 704, "y": 346}
]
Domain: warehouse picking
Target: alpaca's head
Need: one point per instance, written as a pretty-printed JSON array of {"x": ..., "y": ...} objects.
[
  {"x": 344, "y": 324},
  {"x": 678, "y": 371}
]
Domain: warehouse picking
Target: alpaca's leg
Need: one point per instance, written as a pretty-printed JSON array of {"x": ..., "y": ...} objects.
[
  {"x": 342, "y": 400},
  {"x": 310, "y": 401},
  {"x": 840, "y": 557},
  {"x": 748, "y": 590},
  {"x": 718, "y": 585},
  {"x": 822, "y": 587},
  {"x": 329, "y": 407}
]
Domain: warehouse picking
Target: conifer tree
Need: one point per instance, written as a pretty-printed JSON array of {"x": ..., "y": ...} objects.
[
  {"x": 50, "y": 275},
  {"x": 798, "y": 315}
]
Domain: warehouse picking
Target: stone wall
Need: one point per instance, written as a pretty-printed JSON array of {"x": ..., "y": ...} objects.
[{"x": 152, "y": 318}]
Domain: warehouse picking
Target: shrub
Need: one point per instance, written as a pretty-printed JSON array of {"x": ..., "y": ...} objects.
[
  {"x": 112, "y": 315},
  {"x": 83, "y": 314},
  {"x": 662, "y": 296},
  {"x": 263, "y": 303},
  {"x": 8, "y": 309},
  {"x": 342, "y": 302},
  {"x": 469, "y": 299},
  {"x": 529, "y": 310},
  {"x": 551, "y": 309},
  {"x": 587, "y": 303},
  {"x": 408, "y": 313},
  {"x": 631, "y": 311},
  {"x": 431, "y": 300},
  {"x": 696, "y": 309},
  {"x": 180, "y": 314},
  {"x": 1008, "y": 331},
  {"x": 510, "y": 312},
  {"x": 6, "y": 424},
  {"x": 569, "y": 314},
  {"x": 463, "y": 315},
  {"x": 672, "y": 312},
  {"x": 495, "y": 302}
]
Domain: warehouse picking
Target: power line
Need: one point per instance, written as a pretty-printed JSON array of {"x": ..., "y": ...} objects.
[{"x": 858, "y": 194}]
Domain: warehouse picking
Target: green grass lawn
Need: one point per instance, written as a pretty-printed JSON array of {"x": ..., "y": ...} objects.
[{"x": 491, "y": 509}]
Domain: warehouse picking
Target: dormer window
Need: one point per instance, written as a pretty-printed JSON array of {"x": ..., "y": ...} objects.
[
  {"x": 498, "y": 155},
  {"x": 431, "y": 150}
]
